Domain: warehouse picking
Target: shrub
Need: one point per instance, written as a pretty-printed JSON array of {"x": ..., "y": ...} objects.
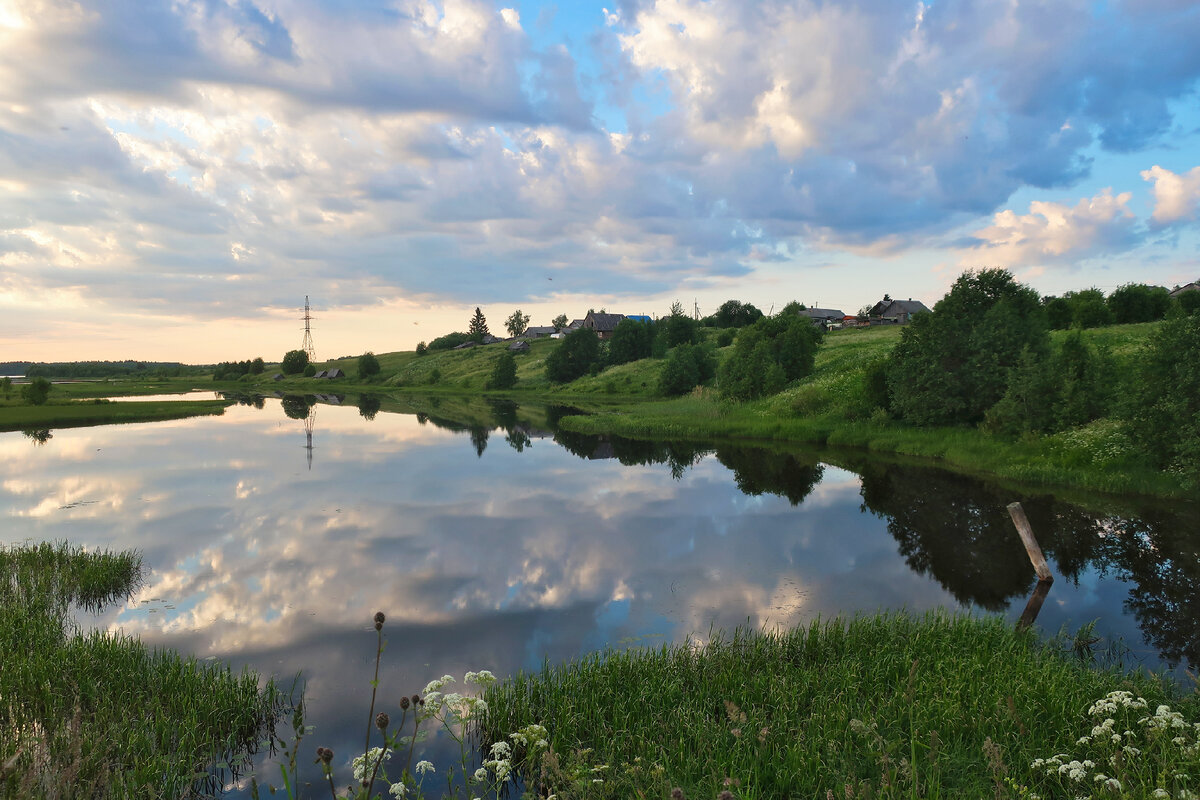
[
  {"x": 768, "y": 355},
  {"x": 422, "y": 349},
  {"x": 449, "y": 341},
  {"x": 309, "y": 371},
  {"x": 1164, "y": 412},
  {"x": 688, "y": 366}
]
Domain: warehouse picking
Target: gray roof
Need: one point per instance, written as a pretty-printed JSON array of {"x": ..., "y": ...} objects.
[
  {"x": 603, "y": 322},
  {"x": 519, "y": 346},
  {"x": 823, "y": 313},
  {"x": 1194, "y": 286},
  {"x": 892, "y": 308},
  {"x": 539, "y": 330}
]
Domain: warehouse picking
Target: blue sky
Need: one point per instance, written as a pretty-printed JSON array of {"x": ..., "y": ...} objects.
[{"x": 175, "y": 177}]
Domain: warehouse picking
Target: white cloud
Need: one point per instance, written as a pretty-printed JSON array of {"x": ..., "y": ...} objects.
[
  {"x": 1055, "y": 233},
  {"x": 1176, "y": 197}
]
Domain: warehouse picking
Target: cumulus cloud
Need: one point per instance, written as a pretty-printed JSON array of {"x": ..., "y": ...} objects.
[
  {"x": 1176, "y": 197},
  {"x": 233, "y": 156},
  {"x": 1055, "y": 233}
]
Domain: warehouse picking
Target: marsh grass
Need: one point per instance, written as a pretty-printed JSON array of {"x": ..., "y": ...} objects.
[
  {"x": 83, "y": 413},
  {"x": 890, "y": 705},
  {"x": 100, "y": 714}
]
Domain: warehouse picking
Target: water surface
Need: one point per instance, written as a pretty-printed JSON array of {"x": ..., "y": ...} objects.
[{"x": 272, "y": 534}]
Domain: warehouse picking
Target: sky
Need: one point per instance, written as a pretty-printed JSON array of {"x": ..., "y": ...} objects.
[{"x": 176, "y": 177}]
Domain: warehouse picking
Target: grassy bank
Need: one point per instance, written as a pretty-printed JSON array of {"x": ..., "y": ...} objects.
[
  {"x": 883, "y": 706},
  {"x": 82, "y": 413},
  {"x": 100, "y": 715}
]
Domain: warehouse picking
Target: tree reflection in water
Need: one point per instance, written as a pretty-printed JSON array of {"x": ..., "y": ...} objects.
[{"x": 956, "y": 529}]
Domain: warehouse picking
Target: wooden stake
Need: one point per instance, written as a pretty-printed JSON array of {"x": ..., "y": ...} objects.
[{"x": 1031, "y": 546}]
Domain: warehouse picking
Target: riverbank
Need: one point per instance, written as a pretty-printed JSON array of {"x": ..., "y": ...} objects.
[
  {"x": 83, "y": 413},
  {"x": 831, "y": 407},
  {"x": 882, "y": 706}
]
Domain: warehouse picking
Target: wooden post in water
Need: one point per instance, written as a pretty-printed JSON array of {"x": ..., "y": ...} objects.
[{"x": 1031, "y": 546}]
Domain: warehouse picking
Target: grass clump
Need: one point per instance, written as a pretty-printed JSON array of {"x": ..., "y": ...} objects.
[
  {"x": 100, "y": 715},
  {"x": 882, "y": 706}
]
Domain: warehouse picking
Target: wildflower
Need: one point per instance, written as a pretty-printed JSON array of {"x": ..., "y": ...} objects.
[
  {"x": 482, "y": 678},
  {"x": 382, "y": 720},
  {"x": 363, "y": 766},
  {"x": 481, "y": 774},
  {"x": 501, "y": 749},
  {"x": 398, "y": 790},
  {"x": 436, "y": 684},
  {"x": 404, "y": 703},
  {"x": 424, "y": 767},
  {"x": 379, "y": 618}
]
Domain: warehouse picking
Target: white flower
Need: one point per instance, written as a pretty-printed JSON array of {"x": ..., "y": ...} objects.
[
  {"x": 436, "y": 684},
  {"x": 1113, "y": 783},
  {"x": 398, "y": 790},
  {"x": 482, "y": 678},
  {"x": 424, "y": 767},
  {"x": 1161, "y": 793},
  {"x": 481, "y": 774},
  {"x": 501, "y": 749},
  {"x": 364, "y": 766}
]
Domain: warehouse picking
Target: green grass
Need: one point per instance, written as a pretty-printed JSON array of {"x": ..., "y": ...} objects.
[
  {"x": 101, "y": 715},
  {"x": 81, "y": 413},
  {"x": 889, "y": 705}
]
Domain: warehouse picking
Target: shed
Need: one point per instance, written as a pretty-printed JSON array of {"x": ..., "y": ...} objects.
[
  {"x": 519, "y": 346},
  {"x": 602, "y": 324},
  {"x": 896, "y": 312},
  {"x": 335, "y": 373}
]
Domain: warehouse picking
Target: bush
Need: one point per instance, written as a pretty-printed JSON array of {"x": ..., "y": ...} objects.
[
  {"x": 309, "y": 371},
  {"x": 422, "y": 349},
  {"x": 725, "y": 337},
  {"x": 768, "y": 355},
  {"x": 574, "y": 356},
  {"x": 632, "y": 340},
  {"x": 449, "y": 341},
  {"x": 688, "y": 366},
  {"x": 1137, "y": 302},
  {"x": 368, "y": 365},
  {"x": 1164, "y": 414},
  {"x": 504, "y": 375},
  {"x": 295, "y": 361},
  {"x": 36, "y": 391},
  {"x": 953, "y": 365}
]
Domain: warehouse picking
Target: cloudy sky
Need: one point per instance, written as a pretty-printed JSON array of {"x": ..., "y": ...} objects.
[{"x": 175, "y": 177}]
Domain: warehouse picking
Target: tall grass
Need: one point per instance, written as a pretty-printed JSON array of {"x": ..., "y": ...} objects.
[
  {"x": 879, "y": 706},
  {"x": 100, "y": 715}
]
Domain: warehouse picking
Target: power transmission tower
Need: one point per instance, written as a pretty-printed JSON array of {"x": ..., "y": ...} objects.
[
  {"x": 696, "y": 308},
  {"x": 308, "y": 342}
]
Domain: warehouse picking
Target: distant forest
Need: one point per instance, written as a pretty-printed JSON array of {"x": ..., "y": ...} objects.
[{"x": 99, "y": 369}]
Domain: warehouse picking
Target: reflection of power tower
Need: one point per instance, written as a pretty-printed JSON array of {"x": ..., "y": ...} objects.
[
  {"x": 308, "y": 342},
  {"x": 309, "y": 423}
]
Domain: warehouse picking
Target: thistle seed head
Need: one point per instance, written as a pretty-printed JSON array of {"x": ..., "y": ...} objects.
[
  {"x": 382, "y": 720},
  {"x": 405, "y": 703},
  {"x": 379, "y": 618}
]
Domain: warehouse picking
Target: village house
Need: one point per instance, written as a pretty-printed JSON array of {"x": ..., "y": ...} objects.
[
  {"x": 602, "y": 324},
  {"x": 895, "y": 312}
]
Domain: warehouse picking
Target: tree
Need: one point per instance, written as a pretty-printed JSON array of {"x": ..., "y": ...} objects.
[
  {"x": 504, "y": 375},
  {"x": 368, "y": 365},
  {"x": 36, "y": 391},
  {"x": 678, "y": 328},
  {"x": 422, "y": 349},
  {"x": 559, "y": 322},
  {"x": 631, "y": 340},
  {"x": 768, "y": 355},
  {"x": 951, "y": 366},
  {"x": 294, "y": 361},
  {"x": 1164, "y": 414},
  {"x": 478, "y": 328},
  {"x": 735, "y": 314},
  {"x": 516, "y": 323},
  {"x": 574, "y": 356},
  {"x": 309, "y": 370},
  {"x": 294, "y": 406},
  {"x": 449, "y": 341},
  {"x": 1137, "y": 302}
]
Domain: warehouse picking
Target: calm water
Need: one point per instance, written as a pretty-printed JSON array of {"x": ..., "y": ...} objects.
[{"x": 272, "y": 534}]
